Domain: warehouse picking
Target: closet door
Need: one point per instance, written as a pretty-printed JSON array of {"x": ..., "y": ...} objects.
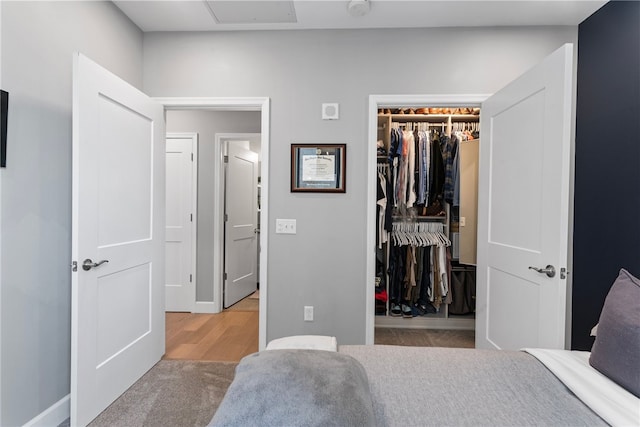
[{"x": 523, "y": 210}]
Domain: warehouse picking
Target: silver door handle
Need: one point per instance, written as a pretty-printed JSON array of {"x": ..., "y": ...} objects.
[
  {"x": 87, "y": 264},
  {"x": 549, "y": 270}
]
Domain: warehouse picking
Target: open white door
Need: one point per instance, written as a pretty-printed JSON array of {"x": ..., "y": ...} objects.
[
  {"x": 117, "y": 318},
  {"x": 241, "y": 228},
  {"x": 180, "y": 222},
  {"x": 523, "y": 208}
]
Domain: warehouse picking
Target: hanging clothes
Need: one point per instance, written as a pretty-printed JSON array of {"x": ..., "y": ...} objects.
[
  {"x": 424, "y": 157},
  {"x": 410, "y": 190},
  {"x": 381, "y": 210},
  {"x": 456, "y": 179},
  {"x": 418, "y": 268},
  {"x": 422, "y": 172},
  {"x": 448, "y": 145},
  {"x": 436, "y": 174}
]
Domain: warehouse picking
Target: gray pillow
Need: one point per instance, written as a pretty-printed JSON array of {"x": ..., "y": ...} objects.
[
  {"x": 616, "y": 350},
  {"x": 301, "y": 388}
]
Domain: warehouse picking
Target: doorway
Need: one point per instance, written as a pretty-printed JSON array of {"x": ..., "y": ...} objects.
[
  {"x": 377, "y": 102},
  {"x": 203, "y": 330},
  {"x": 211, "y": 303}
]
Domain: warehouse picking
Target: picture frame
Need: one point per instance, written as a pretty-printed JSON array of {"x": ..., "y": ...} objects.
[{"x": 318, "y": 168}]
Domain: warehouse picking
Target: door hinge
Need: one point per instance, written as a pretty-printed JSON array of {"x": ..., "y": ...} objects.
[
  {"x": 190, "y": 278},
  {"x": 191, "y": 217},
  {"x": 226, "y": 217},
  {"x": 74, "y": 265},
  {"x": 192, "y": 157},
  {"x": 225, "y": 276},
  {"x": 226, "y": 159}
]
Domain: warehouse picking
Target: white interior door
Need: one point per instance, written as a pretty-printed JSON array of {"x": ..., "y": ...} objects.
[
  {"x": 180, "y": 292},
  {"x": 523, "y": 209},
  {"x": 241, "y": 229},
  {"x": 117, "y": 324}
]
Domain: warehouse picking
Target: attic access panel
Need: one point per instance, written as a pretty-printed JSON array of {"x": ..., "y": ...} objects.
[{"x": 253, "y": 12}]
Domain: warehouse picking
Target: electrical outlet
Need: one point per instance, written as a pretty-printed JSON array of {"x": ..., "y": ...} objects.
[
  {"x": 308, "y": 313},
  {"x": 285, "y": 226}
]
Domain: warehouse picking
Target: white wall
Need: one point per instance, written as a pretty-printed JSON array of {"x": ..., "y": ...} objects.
[
  {"x": 324, "y": 263},
  {"x": 207, "y": 124},
  {"x": 38, "y": 39}
]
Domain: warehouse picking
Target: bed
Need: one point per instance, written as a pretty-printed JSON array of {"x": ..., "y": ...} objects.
[{"x": 360, "y": 385}]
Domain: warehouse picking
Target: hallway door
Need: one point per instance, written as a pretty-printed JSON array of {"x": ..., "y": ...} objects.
[
  {"x": 241, "y": 225},
  {"x": 181, "y": 203}
]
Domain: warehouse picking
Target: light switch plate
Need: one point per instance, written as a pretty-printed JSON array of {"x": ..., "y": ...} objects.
[{"x": 285, "y": 226}]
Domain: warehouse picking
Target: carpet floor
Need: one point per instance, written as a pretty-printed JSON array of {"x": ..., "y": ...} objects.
[{"x": 173, "y": 393}]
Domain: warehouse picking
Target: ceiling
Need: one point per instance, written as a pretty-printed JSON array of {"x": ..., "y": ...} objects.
[{"x": 226, "y": 15}]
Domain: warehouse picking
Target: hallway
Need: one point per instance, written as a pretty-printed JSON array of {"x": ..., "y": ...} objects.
[{"x": 221, "y": 337}]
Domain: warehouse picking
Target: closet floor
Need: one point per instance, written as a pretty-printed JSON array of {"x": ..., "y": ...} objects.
[{"x": 425, "y": 337}]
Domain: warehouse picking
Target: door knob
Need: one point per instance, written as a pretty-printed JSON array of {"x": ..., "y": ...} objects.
[
  {"x": 87, "y": 264},
  {"x": 549, "y": 270}
]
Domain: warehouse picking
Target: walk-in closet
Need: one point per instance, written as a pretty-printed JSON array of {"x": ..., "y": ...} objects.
[{"x": 427, "y": 171}]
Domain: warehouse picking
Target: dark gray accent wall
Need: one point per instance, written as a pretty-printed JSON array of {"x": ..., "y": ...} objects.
[{"x": 607, "y": 163}]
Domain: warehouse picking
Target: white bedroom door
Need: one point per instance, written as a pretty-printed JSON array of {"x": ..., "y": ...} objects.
[
  {"x": 241, "y": 228},
  {"x": 180, "y": 290},
  {"x": 117, "y": 317},
  {"x": 523, "y": 209}
]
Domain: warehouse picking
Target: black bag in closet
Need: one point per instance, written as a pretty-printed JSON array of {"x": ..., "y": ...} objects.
[{"x": 463, "y": 292}]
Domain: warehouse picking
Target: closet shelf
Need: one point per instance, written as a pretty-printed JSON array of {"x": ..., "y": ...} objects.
[{"x": 431, "y": 117}]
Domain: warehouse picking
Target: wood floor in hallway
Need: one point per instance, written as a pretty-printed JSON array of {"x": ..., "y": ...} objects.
[{"x": 222, "y": 337}]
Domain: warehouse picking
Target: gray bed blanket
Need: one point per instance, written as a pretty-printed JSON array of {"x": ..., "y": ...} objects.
[
  {"x": 421, "y": 386},
  {"x": 297, "y": 388}
]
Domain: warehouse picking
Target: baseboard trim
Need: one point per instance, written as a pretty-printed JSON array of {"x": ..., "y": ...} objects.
[
  {"x": 54, "y": 415},
  {"x": 206, "y": 307}
]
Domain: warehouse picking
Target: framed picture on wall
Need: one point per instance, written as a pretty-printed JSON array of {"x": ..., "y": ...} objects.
[{"x": 318, "y": 168}]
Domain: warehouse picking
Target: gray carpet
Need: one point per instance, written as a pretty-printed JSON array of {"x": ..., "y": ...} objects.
[{"x": 173, "y": 393}]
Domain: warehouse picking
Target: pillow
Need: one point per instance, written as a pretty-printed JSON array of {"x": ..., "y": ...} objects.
[
  {"x": 307, "y": 342},
  {"x": 297, "y": 388},
  {"x": 616, "y": 350}
]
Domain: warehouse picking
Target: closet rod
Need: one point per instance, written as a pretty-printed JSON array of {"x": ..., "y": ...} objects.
[{"x": 431, "y": 218}]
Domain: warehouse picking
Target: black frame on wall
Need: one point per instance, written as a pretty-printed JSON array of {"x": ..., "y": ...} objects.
[
  {"x": 4, "y": 113},
  {"x": 318, "y": 168}
]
